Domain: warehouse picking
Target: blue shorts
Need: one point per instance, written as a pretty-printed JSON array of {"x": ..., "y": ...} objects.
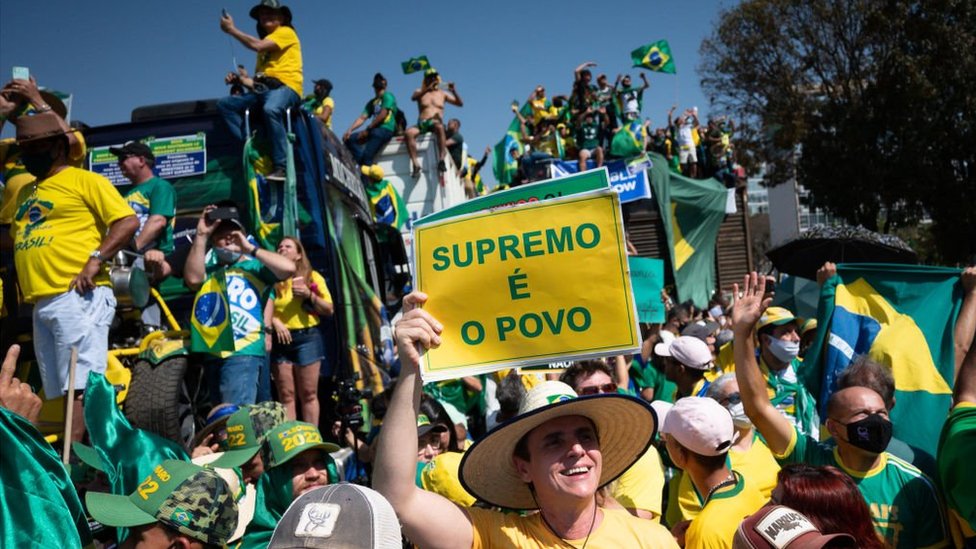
[{"x": 305, "y": 348}]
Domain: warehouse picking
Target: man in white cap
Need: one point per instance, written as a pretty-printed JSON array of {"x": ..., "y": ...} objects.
[
  {"x": 550, "y": 457},
  {"x": 687, "y": 358},
  {"x": 698, "y": 434}
]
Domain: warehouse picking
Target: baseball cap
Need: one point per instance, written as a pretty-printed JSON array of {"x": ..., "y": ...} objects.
[
  {"x": 292, "y": 438},
  {"x": 374, "y": 172},
  {"x": 441, "y": 476},
  {"x": 246, "y": 430},
  {"x": 701, "y": 329},
  {"x": 809, "y": 324},
  {"x": 776, "y": 316},
  {"x": 324, "y": 82},
  {"x": 661, "y": 349},
  {"x": 689, "y": 351},
  {"x": 701, "y": 425},
  {"x": 341, "y": 516},
  {"x": 424, "y": 425},
  {"x": 779, "y": 527},
  {"x": 133, "y": 148},
  {"x": 186, "y": 497}
]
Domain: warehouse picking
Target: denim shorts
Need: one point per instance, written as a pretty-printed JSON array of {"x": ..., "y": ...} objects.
[{"x": 305, "y": 348}]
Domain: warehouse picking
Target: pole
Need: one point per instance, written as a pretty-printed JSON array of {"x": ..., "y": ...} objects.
[{"x": 69, "y": 406}]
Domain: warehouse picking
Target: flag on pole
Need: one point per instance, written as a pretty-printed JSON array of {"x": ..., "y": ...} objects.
[
  {"x": 415, "y": 64},
  {"x": 655, "y": 56}
]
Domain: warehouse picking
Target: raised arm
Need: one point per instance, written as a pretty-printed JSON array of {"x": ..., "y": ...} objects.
[
  {"x": 395, "y": 460},
  {"x": 579, "y": 69},
  {"x": 453, "y": 97},
  {"x": 252, "y": 43},
  {"x": 195, "y": 269},
  {"x": 966, "y": 322},
  {"x": 965, "y": 389},
  {"x": 748, "y": 308},
  {"x": 281, "y": 266}
]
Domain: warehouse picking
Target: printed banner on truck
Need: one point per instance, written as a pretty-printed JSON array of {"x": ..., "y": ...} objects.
[
  {"x": 627, "y": 177},
  {"x": 541, "y": 283},
  {"x": 647, "y": 278},
  {"x": 179, "y": 156}
]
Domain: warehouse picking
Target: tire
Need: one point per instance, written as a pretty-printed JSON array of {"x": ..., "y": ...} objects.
[{"x": 158, "y": 400}]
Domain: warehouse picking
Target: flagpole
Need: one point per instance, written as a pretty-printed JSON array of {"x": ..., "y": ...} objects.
[{"x": 70, "y": 406}]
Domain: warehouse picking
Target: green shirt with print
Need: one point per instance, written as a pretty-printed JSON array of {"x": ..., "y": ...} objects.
[
  {"x": 155, "y": 197},
  {"x": 377, "y": 104},
  {"x": 249, "y": 283}
]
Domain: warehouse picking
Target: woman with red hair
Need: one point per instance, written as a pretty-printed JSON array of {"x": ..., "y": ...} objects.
[{"x": 830, "y": 499}]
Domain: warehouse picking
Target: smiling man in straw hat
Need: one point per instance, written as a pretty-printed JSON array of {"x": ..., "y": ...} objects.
[{"x": 550, "y": 457}]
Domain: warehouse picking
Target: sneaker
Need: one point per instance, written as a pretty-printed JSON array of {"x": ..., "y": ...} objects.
[
  {"x": 278, "y": 174},
  {"x": 441, "y": 166}
]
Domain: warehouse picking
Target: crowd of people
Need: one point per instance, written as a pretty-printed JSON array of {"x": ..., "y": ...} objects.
[{"x": 706, "y": 438}]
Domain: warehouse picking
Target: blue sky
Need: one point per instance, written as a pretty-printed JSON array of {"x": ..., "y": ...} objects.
[{"x": 114, "y": 56}]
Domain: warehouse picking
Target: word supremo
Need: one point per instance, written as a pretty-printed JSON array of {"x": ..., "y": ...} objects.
[
  {"x": 299, "y": 435},
  {"x": 511, "y": 246},
  {"x": 529, "y": 325}
]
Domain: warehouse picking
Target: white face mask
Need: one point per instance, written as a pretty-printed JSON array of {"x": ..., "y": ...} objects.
[
  {"x": 739, "y": 417},
  {"x": 784, "y": 351}
]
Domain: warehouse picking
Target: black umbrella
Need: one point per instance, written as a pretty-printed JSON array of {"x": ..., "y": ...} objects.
[{"x": 805, "y": 254}]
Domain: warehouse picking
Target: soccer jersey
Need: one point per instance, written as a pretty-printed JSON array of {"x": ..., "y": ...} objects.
[
  {"x": 286, "y": 63},
  {"x": 957, "y": 446},
  {"x": 905, "y": 506},
  {"x": 641, "y": 486},
  {"x": 715, "y": 526},
  {"x": 154, "y": 197},
  {"x": 377, "y": 104},
  {"x": 57, "y": 225},
  {"x": 248, "y": 284},
  {"x": 757, "y": 465},
  {"x": 291, "y": 311},
  {"x": 618, "y": 529}
]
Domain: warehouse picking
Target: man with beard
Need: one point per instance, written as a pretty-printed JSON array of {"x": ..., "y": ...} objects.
[{"x": 68, "y": 223}]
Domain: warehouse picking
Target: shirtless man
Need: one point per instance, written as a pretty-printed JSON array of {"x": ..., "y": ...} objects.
[{"x": 430, "y": 102}]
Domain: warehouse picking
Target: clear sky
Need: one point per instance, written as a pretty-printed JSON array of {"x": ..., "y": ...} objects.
[{"x": 114, "y": 56}]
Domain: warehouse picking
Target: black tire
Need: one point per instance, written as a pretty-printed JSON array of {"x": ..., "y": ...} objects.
[{"x": 158, "y": 400}]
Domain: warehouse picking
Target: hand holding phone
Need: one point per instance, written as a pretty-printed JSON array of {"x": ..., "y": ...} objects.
[{"x": 21, "y": 73}]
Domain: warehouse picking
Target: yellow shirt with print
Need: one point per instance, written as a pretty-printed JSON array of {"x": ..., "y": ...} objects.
[
  {"x": 286, "y": 63},
  {"x": 290, "y": 311},
  {"x": 618, "y": 529},
  {"x": 15, "y": 176},
  {"x": 56, "y": 229}
]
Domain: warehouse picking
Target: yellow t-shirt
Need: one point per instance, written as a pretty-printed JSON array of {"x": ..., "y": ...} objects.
[
  {"x": 618, "y": 529},
  {"x": 56, "y": 229},
  {"x": 16, "y": 176},
  {"x": 327, "y": 102},
  {"x": 641, "y": 486},
  {"x": 290, "y": 311},
  {"x": 757, "y": 465},
  {"x": 715, "y": 526},
  {"x": 286, "y": 63}
]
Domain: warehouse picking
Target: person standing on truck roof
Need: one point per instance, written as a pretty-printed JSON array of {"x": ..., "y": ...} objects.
[
  {"x": 277, "y": 82},
  {"x": 68, "y": 223},
  {"x": 232, "y": 295},
  {"x": 382, "y": 108},
  {"x": 320, "y": 103},
  {"x": 430, "y": 102}
]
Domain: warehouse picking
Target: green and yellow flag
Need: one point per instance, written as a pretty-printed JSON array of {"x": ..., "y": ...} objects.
[
  {"x": 210, "y": 329},
  {"x": 655, "y": 56},
  {"x": 267, "y": 223},
  {"x": 415, "y": 64},
  {"x": 903, "y": 317},
  {"x": 692, "y": 210},
  {"x": 387, "y": 204}
]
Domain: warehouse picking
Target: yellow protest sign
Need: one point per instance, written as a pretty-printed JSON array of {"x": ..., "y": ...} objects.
[{"x": 528, "y": 285}]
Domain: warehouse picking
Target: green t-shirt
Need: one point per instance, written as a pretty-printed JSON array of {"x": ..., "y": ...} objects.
[
  {"x": 646, "y": 376},
  {"x": 588, "y": 136},
  {"x": 155, "y": 197},
  {"x": 905, "y": 505},
  {"x": 957, "y": 446},
  {"x": 249, "y": 283},
  {"x": 377, "y": 104}
]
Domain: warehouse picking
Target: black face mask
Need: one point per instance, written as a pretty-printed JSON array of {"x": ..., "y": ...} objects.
[
  {"x": 871, "y": 434},
  {"x": 37, "y": 164},
  {"x": 226, "y": 257}
]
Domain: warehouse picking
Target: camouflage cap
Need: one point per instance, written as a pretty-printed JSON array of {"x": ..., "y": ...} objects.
[
  {"x": 188, "y": 498},
  {"x": 290, "y": 439},
  {"x": 246, "y": 430}
]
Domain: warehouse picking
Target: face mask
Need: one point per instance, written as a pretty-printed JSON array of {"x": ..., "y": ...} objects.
[
  {"x": 872, "y": 433},
  {"x": 784, "y": 351},
  {"x": 39, "y": 165},
  {"x": 739, "y": 417},
  {"x": 226, "y": 257}
]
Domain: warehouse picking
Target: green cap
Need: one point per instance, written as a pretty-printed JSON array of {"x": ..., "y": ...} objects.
[
  {"x": 290, "y": 439},
  {"x": 188, "y": 498},
  {"x": 246, "y": 430}
]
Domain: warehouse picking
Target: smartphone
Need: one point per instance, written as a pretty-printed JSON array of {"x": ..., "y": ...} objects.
[
  {"x": 770, "y": 286},
  {"x": 225, "y": 212},
  {"x": 21, "y": 73},
  {"x": 223, "y": 12}
]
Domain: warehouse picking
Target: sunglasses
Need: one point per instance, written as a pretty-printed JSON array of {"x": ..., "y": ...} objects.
[
  {"x": 598, "y": 389},
  {"x": 733, "y": 398}
]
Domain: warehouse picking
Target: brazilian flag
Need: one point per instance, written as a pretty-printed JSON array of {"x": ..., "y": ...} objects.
[
  {"x": 692, "y": 210},
  {"x": 265, "y": 201},
  {"x": 655, "y": 56},
  {"x": 415, "y": 64},
  {"x": 628, "y": 141},
  {"x": 903, "y": 317},
  {"x": 210, "y": 329},
  {"x": 387, "y": 204}
]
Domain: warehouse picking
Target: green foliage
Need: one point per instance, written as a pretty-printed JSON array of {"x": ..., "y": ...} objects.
[{"x": 870, "y": 104}]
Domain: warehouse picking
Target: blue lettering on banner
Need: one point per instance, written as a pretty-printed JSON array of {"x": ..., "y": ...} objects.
[
  {"x": 628, "y": 179},
  {"x": 245, "y": 305}
]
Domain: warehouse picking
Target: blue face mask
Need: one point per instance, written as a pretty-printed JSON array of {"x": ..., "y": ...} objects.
[{"x": 784, "y": 351}]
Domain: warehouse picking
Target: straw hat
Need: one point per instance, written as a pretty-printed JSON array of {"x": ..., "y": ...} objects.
[{"x": 625, "y": 426}]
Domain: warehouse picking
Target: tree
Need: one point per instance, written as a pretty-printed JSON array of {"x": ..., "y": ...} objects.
[{"x": 870, "y": 104}]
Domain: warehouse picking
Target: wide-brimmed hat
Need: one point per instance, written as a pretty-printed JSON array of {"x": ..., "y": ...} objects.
[
  {"x": 273, "y": 5},
  {"x": 40, "y": 126},
  {"x": 624, "y": 425}
]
